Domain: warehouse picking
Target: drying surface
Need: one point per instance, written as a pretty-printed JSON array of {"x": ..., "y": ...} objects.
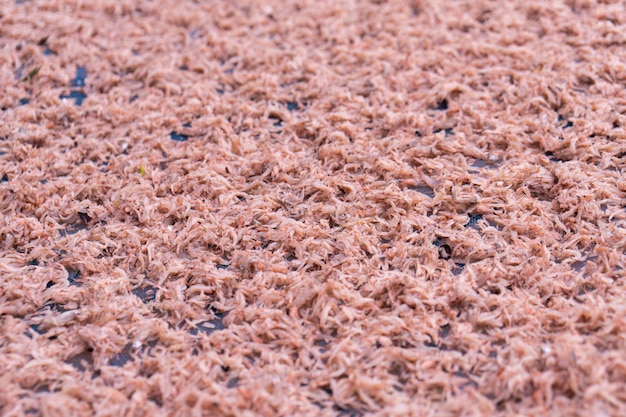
[{"x": 329, "y": 208}]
